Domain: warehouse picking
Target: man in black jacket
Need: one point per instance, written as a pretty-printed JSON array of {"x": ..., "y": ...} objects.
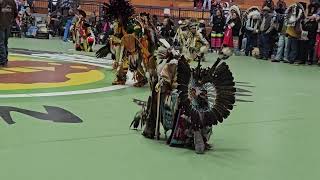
[{"x": 8, "y": 12}]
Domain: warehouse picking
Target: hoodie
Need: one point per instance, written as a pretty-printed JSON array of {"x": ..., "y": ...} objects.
[{"x": 8, "y": 12}]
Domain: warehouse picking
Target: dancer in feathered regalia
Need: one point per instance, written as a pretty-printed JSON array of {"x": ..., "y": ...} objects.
[
  {"x": 84, "y": 36},
  {"x": 191, "y": 41},
  {"x": 131, "y": 43},
  {"x": 188, "y": 101}
]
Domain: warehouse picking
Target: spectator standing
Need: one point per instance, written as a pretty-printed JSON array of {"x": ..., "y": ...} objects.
[
  {"x": 71, "y": 19},
  {"x": 53, "y": 5},
  {"x": 269, "y": 4},
  {"x": 313, "y": 7},
  {"x": 8, "y": 13},
  {"x": 265, "y": 29},
  {"x": 197, "y": 3},
  {"x": 310, "y": 25},
  {"x": 215, "y": 5},
  {"x": 234, "y": 23},
  {"x": 293, "y": 31},
  {"x": 225, "y": 8},
  {"x": 27, "y": 20},
  {"x": 281, "y": 7},
  {"x": 252, "y": 30},
  {"x": 56, "y": 24},
  {"x": 206, "y": 3},
  {"x": 282, "y": 50},
  {"x": 218, "y": 24}
]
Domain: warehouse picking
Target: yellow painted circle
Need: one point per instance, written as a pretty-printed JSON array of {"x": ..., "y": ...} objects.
[{"x": 24, "y": 74}]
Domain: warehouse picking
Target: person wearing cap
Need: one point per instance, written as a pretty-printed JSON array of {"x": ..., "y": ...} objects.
[
  {"x": 8, "y": 12},
  {"x": 267, "y": 25}
]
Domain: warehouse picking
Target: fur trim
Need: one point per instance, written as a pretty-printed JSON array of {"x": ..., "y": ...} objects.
[
  {"x": 236, "y": 9},
  {"x": 254, "y": 15}
]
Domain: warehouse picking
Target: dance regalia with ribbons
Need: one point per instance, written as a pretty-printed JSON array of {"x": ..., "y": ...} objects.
[
  {"x": 128, "y": 50},
  {"x": 84, "y": 36},
  {"x": 187, "y": 101}
]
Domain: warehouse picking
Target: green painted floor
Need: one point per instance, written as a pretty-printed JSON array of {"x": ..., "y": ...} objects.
[{"x": 275, "y": 137}]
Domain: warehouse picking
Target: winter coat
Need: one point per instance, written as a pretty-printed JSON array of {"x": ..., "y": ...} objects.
[{"x": 8, "y": 13}]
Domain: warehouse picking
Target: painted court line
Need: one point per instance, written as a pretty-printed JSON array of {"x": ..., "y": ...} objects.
[
  {"x": 77, "y": 92},
  {"x": 67, "y": 60}
]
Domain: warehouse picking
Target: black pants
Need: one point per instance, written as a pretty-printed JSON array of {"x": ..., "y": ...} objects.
[
  {"x": 310, "y": 50},
  {"x": 302, "y": 51},
  {"x": 264, "y": 45},
  {"x": 4, "y": 36},
  {"x": 251, "y": 42}
]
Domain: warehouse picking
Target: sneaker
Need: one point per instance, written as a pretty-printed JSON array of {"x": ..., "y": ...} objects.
[
  {"x": 274, "y": 60},
  {"x": 310, "y": 63},
  {"x": 300, "y": 63},
  {"x": 285, "y": 61},
  {"x": 259, "y": 57},
  {"x": 4, "y": 64}
]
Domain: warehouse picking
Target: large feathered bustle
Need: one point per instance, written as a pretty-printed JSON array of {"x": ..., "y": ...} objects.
[
  {"x": 119, "y": 9},
  {"x": 225, "y": 92}
]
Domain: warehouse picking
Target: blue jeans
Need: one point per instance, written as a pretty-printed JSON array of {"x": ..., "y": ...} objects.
[
  {"x": 66, "y": 30},
  {"x": 292, "y": 49},
  {"x": 4, "y": 36},
  {"x": 264, "y": 45},
  {"x": 282, "y": 51},
  {"x": 205, "y": 3}
]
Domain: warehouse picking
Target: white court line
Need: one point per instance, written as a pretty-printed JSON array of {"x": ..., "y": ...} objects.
[
  {"x": 66, "y": 93},
  {"x": 66, "y": 60}
]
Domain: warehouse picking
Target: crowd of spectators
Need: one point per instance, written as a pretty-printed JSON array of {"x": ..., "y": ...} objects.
[
  {"x": 266, "y": 32},
  {"x": 275, "y": 31}
]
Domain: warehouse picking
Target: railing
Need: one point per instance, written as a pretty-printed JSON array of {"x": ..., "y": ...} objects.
[
  {"x": 41, "y": 6},
  {"x": 174, "y": 12}
]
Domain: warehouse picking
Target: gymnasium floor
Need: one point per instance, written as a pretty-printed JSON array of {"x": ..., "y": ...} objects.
[{"x": 272, "y": 133}]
